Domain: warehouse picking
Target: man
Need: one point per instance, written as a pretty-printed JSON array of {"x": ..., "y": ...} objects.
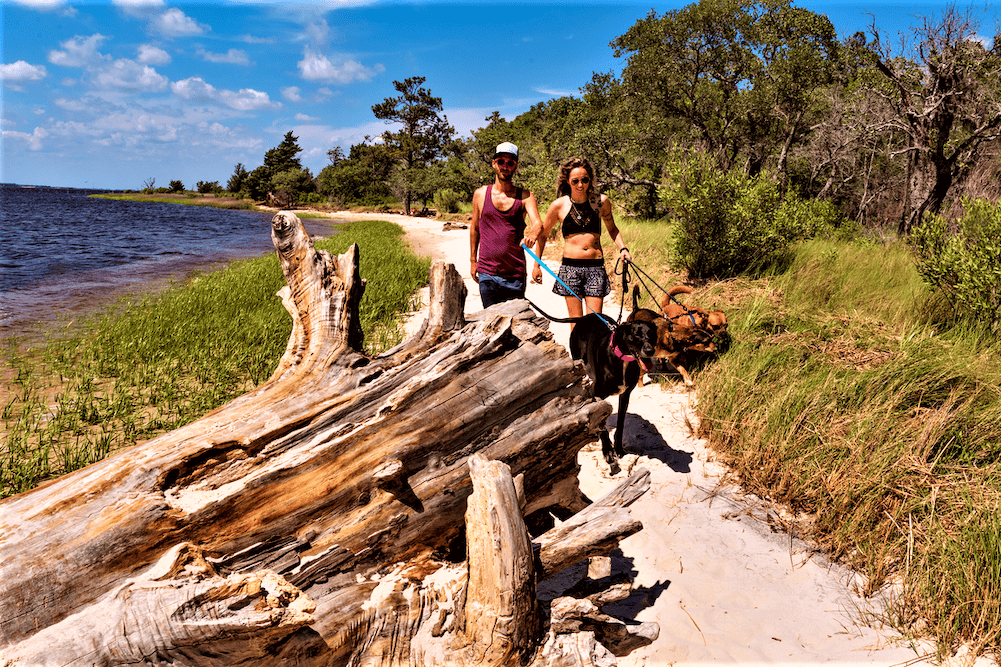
[{"x": 496, "y": 259}]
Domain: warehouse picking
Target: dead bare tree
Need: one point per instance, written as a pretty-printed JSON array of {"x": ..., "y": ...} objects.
[{"x": 947, "y": 103}]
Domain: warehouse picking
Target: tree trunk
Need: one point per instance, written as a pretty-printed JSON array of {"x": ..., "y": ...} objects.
[{"x": 319, "y": 519}]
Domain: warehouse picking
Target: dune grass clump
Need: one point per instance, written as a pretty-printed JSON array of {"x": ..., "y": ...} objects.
[
  {"x": 855, "y": 396},
  {"x": 848, "y": 402},
  {"x": 150, "y": 364}
]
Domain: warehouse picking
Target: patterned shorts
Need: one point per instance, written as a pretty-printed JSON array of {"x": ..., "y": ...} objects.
[{"x": 586, "y": 277}]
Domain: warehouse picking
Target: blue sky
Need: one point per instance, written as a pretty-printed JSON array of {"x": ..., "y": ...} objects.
[{"x": 108, "y": 95}]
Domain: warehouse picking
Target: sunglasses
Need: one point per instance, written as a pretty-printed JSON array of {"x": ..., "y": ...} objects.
[
  {"x": 584, "y": 179},
  {"x": 503, "y": 162}
]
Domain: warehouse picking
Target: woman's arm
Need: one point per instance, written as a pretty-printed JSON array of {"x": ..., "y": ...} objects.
[{"x": 605, "y": 211}]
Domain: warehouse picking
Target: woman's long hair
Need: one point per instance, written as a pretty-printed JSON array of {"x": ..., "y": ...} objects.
[{"x": 563, "y": 178}]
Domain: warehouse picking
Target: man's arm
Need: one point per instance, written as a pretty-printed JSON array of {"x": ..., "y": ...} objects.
[
  {"x": 533, "y": 230},
  {"x": 474, "y": 232}
]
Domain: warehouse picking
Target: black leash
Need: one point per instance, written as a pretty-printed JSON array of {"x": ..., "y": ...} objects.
[
  {"x": 625, "y": 270},
  {"x": 570, "y": 320}
]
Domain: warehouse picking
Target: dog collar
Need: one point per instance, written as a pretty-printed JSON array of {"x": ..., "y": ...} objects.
[{"x": 626, "y": 358}]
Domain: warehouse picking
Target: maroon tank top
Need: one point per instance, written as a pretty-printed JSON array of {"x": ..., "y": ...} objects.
[{"x": 501, "y": 232}]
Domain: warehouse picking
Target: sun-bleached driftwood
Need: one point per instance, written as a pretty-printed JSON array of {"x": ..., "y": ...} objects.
[{"x": 349, "y": 510}]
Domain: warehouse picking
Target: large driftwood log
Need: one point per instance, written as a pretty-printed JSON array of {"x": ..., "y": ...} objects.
[{"x": 321, "y": 519}]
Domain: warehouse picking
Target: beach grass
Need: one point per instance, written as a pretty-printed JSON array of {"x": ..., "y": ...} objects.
[
  {"x": 152, "y": 363},
  {"x": 855, "y": 397},
  {"x": 851, "y": 397},
  {"x": 187, "y": 199}
]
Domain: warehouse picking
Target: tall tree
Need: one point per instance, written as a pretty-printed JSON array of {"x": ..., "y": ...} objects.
[
  {"x": 361, "y": 177},
  {"x": 733, "y": 77},
  {"x": 798, "y": 54},
  {"x": 947, "y": 103},
  {"x": 238, "y": 178},
  {"x": 690, "y": 65},
  {"x": 283, "y": 156},
  {"x": 424, "y": 135}
]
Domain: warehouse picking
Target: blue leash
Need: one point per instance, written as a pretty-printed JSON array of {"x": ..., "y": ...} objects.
[{"x": 550, "y": 272}]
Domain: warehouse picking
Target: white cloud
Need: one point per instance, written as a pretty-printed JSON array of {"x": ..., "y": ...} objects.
[
  {"x": 318, "y": 32},
  {"x": 34, "y": 139},
  {"x": 129, "y": 75},
  {"x": 22, "y": 71},
  {"x": 303, "y": 118},
  {"x": 193, "y": 88},
  {"x": 152, "y": 55},
  {"x": 556, "y": 93},
  {"x": 317, "y": 67},
  {"x": 175, "y": 23},
  {"x": 78, "y": 52},
  {"x": 246, "y": 99},
  {"x": 137, "y": 3},
  {"x": 291, "y": 93},
  {"x": 232, "y": 57},
  {"x": 41, "y": 4},
  {"x": 75, "y": 105}
]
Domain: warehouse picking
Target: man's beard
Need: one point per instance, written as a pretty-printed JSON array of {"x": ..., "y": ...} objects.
[{"x": 505, "y": 177}]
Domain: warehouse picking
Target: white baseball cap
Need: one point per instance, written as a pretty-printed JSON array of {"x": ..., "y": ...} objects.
[{"x": 506, "y": 148}]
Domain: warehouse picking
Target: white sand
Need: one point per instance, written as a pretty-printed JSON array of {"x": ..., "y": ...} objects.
[{"x": 707, "y": 567}]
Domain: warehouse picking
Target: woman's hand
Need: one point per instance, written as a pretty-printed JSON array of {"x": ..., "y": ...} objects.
[{"x": 537, "y": 274}]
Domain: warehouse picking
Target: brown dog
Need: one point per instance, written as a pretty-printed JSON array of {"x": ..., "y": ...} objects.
[
  {"x": 713, "y": 321},
  {"x": 674, "y": 341}
]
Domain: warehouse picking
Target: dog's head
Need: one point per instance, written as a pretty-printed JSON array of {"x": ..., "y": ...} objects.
[{"x": 638, "y": 339}]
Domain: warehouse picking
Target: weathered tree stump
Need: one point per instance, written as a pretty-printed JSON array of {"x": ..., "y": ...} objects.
[{"x": 350, "y": 510}]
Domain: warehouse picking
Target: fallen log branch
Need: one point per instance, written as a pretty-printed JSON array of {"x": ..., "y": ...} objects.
[{"x": 296, "y": 515}]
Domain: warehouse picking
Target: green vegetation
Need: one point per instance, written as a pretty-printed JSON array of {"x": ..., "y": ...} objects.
[
  {"x": 186, "y": 198},
  {"x": 730, "y": 223},
  {"x": 965, "y": 262},
  {"x": 151, "y": 364},
  {"x": 853, "y": 395}
]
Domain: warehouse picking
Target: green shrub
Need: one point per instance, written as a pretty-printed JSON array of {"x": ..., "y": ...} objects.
[
  {"x": 176, "y": 186},
  {"x": 725, "y": 220},
  {"x": 208, "y": 187},
  {"x": 799, "y": 219},
  {"x": 963, "y": 260},
  {"x": 729, "y": 223},
  {"x": 447, "y": 201}
]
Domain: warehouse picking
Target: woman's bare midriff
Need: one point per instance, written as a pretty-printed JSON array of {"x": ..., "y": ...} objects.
[{"x": 582, "y": 246}]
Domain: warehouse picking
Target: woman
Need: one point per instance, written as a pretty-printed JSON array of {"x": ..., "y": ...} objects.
[{"x": 581, "y": 210}]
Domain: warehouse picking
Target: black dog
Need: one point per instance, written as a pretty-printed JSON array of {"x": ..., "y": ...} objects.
[{"x": 611, "y": 358}]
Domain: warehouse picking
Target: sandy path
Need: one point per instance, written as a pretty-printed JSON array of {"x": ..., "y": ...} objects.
[{"x": 707, "y": 567}]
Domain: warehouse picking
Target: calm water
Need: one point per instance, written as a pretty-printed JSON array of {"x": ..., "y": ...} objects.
[{"x": 65, "y": 252}]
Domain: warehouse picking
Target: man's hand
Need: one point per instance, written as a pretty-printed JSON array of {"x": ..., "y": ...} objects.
[{"x": 473, "y": 272}]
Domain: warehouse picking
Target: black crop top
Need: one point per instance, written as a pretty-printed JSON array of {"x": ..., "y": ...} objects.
[{"x": 581, "y": 219}]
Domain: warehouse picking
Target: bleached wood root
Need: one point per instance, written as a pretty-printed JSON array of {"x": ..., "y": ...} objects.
[{"x": 177, "y": 612}]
